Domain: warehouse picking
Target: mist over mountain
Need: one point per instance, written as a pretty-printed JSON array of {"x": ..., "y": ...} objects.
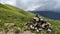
[
  {"x": 49, "y": 14},
  {"x": 39, "y": 5}
]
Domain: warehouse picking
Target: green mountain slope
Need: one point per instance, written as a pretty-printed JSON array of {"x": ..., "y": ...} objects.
[
  {"x": 10, "y": 14},
  {"x": 16, "y": 16},
  {"x": 55, "y": 26}
]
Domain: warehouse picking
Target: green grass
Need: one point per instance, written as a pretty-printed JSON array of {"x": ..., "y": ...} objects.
[{"x": 11, "y": 14}]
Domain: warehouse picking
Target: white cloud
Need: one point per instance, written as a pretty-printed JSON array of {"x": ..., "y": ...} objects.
[
  {"x": 11, "y": 2},
  {"x": 34, "y": 4},
  {"x": 29, "y": 4},
  {"x": 31, "y": 8},
  {"x": 44, "y": 4},
  {"x": 24, "y": 1}
]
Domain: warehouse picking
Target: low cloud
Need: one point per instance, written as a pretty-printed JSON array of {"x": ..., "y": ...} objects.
[
  {"x": 34, "y": 4},
  {"x": 11, "y": 2},
  {"x": 43, "y": 4},
  {"x": 32, "y": 7}
]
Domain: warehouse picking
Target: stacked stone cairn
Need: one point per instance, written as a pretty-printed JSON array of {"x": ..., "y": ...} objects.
[{"x": 39, "y": 24}]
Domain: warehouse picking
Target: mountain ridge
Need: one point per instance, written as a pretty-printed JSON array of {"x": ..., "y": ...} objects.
[{"x": 49, "y": 14}]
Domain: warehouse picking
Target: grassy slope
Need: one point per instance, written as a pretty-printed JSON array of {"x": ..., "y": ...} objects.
[
  {"x": 10, "y": 14},
  {"x": 55, "y": 26}
]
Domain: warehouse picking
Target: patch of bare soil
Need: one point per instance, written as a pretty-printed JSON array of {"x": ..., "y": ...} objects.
[{"x": 26, "y": 32}]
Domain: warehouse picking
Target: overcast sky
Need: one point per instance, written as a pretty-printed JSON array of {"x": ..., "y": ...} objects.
[{"x": 34, "y": 4}]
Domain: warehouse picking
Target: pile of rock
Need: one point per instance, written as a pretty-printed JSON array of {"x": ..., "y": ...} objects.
[{"x": 39, "y": 24}]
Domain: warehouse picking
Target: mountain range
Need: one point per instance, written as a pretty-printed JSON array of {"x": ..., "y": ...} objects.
[{"x": 49, "y": 14}]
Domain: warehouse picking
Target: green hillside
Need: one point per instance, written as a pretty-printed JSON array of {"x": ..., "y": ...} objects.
[
  {"x": 55, "y": 26},
  {"x": 13, "y": 15},
  {"x": 16, "y": 16}
]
